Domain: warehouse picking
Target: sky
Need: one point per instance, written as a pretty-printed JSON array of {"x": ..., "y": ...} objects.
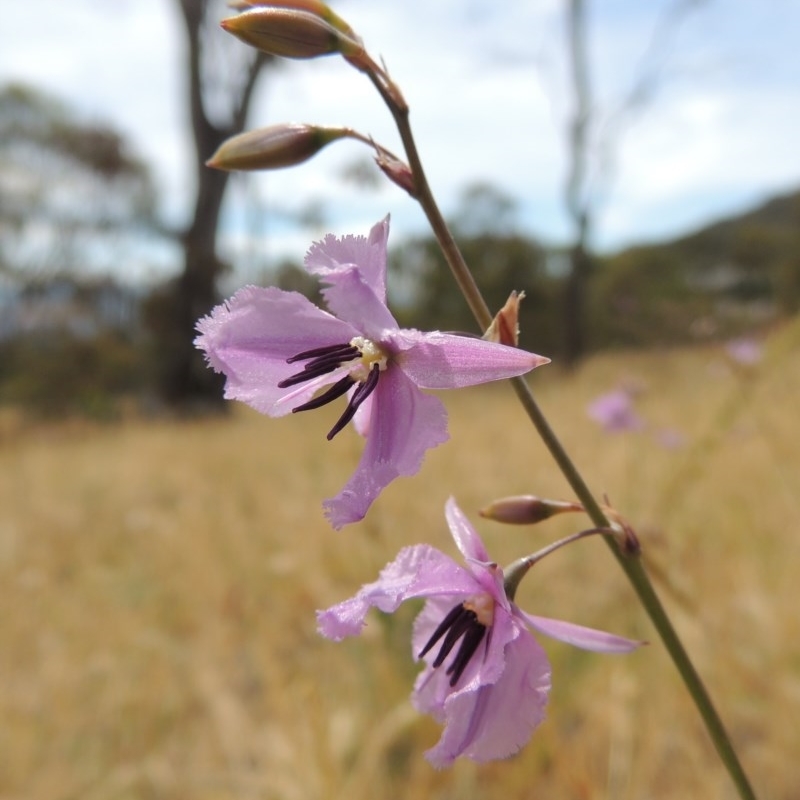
[{"x": 490, "y": 101}]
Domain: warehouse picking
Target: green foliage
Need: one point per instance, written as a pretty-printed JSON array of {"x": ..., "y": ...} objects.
[
  {"x": 56, "y": 374},
  {"x": 724, "y": 280},
  {"x": 500, "y": 263},
  {"x": 76, "y": 206},
  {"x": 501, "y": 259}
]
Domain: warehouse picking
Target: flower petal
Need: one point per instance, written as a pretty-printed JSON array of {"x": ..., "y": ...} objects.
[
  {"x": 419, "y": 571},
  {"x": 250, "y": 337},
  {"x": 367, "y": 254},
  {"x": 432, "y": 687},
  {"x": 404, "y": 424},
  {"x": 350, "y": 297},
  {"x": 447, "y": 361},
  {"x": 465, "y": 536},
  {"x": 495, "y": 720},
  {"x": 577, "y": 635}
]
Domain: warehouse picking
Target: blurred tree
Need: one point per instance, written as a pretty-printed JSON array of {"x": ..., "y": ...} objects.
[
  {"x": 73, "y": 198},
  {"x": 76, "y": 208},
  {"x": 222, "y": 76},
  {"x": 577, "y": 200},
  {"x": 590, "y": 147},
  {"x": 500, "y": 258}
]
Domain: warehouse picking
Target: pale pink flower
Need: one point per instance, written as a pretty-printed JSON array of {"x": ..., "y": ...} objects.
[
  {"x": 486, "y": 678},
  {"x": 280, "y": 354},
  {"x": 747, "y": 352},
  {"x": 615, "y": 412}
]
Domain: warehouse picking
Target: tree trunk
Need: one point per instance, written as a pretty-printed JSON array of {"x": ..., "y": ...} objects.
[
  {"x": 185, "y": 381},
  {"x": 574, "y": 302}
]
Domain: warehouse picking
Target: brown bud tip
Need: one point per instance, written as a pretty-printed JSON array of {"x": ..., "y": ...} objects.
[{"x": 527, "y": 509}]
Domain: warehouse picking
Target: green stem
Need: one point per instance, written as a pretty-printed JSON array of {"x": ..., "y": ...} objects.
[
  {"x": 631, "y": 566},
  {"x": 516, "y": 571}
]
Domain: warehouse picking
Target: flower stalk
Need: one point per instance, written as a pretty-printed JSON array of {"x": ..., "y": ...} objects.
[
  {"x": 515, "y": 572},
  {"x": 630, "y": 564},
  {"x": 305, "y": 29}
]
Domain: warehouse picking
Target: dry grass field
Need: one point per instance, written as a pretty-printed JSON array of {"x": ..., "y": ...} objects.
[{"x": 158, "y": 584}]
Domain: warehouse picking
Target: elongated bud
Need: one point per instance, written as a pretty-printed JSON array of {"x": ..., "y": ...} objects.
[
  {"x": 277, "y": 146},
  {"x": 527, "y": 509},
  {"x": 315, "y": 7},
  {"x": 291, "y": 33}
]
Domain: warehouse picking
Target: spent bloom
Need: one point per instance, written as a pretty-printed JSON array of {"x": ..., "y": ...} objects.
[
  {"x": 280, "y": 353},
  {"x": 486, "y": 678}
]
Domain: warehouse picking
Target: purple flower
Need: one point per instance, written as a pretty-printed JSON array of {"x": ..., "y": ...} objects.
[
  {"x": 747, "y": 352},
  {"x": 614, "y": 411},
  {"x": 486, "y": 678},
  {"x": 278, "y": 350}
]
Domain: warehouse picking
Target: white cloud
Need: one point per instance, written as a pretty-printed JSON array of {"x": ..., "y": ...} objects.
[{"x": 486, "y": 85}]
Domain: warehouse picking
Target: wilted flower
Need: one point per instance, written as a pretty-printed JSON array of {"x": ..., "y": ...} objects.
[
  {"x": 486, "y": 678},
  {"x": 398, "y": 172},
  {"x": 615, "y": 412},
  {"x": 505, "y": 324},
  {"x": 278, "y": 350}
]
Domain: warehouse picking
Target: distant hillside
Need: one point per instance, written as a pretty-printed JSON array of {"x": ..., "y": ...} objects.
[{"x": 726, "y": 278}]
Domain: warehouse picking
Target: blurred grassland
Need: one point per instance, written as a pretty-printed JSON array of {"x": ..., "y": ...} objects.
[{"x": 158, "y": 584}]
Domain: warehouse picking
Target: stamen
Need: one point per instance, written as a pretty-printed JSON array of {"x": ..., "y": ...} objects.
[
  {"x": 370, "y": 362},
  {"x": 363, "y": 391},
  {"x": 443, "y": 626},
  {"x": 457, "y": 630},
  {"x": 461, "y": 621},
  {"x": 469, "y": 644},
  {"x": 328, "y": 350},
  {"x": 334, "y": 358},
  {"x": 337, "y": 390},
  {"x": 326, "y": 360}
]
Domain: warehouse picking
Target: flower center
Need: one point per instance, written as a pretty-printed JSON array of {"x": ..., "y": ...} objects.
[
  {"x": 468, "y": 621},
  {"x": 369, "y": 361},
  {"x": 371, "y": 355}
]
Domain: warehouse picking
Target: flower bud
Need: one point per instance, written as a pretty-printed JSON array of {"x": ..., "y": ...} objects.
[
  {"x": 277, "y": 146},
  {"x": 526, "y": 509},
  {"x": 291, "y": 33},
  {"x": 313, "y": 7}
]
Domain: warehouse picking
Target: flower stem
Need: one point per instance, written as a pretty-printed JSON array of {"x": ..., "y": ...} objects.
[
  {"x": 516, "y": 571},
  {"x": 632, "y": 566}
]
